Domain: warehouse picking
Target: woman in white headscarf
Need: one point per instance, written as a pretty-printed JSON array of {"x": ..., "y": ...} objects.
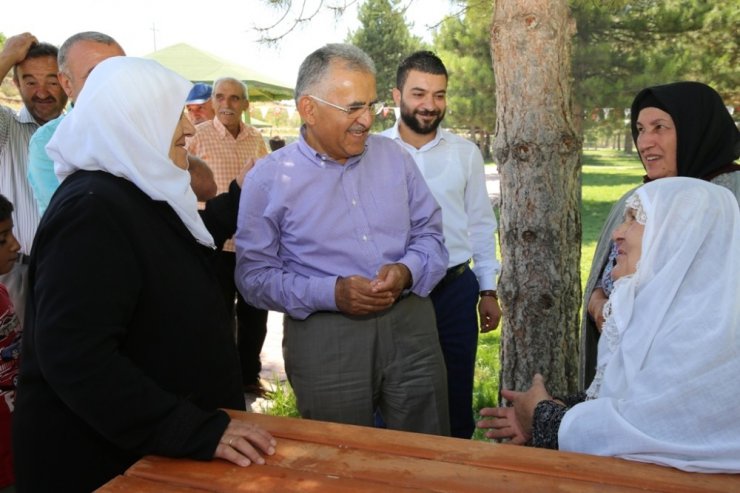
[
  {"x": 670, "y": 348},
  {"x": 128, "y": 346}
]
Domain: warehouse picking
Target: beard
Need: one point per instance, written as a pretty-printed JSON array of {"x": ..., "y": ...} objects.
[{"x": 409, "y": 118}]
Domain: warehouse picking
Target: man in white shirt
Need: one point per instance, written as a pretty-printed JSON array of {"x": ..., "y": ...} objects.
[
  {"x": 35, "y": 70},
  {"x": 453, "y": 169}
]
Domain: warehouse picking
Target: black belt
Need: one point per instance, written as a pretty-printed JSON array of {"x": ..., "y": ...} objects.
[
  {"x": 452, "y": 274},
  {"x": 23, "y": 259}
]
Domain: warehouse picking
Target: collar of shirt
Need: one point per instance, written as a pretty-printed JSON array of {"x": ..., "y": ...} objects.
[
  {"x": 321, "y": 160},
  {"x": 394, "y": 134},
  {"x": 244, "y": 130},
  {"x": 24, "y": 116}
]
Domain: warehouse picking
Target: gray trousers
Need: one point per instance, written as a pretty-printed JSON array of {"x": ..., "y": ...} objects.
[{"x": 343, "y": 367}]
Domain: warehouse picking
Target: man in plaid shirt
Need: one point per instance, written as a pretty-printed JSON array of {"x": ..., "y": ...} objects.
[{"x": 227, "y": 144}]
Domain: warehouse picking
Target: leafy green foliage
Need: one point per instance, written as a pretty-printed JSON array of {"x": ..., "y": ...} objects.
[
  {"x": 620, "y": 47},
  {"x": 463, "y": 44},
  {"x": 623, "y": 46},
  {"x": 384, "y": 36}
]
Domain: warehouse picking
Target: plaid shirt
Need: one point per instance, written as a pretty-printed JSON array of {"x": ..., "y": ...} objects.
[{"x": 225, "y": 154}]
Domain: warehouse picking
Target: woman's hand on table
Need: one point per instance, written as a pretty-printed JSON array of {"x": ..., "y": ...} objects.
[{"x": 244, "y": 443}]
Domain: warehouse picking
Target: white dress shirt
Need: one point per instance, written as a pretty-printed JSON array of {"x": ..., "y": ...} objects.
[{"x": 453, "y": 168}]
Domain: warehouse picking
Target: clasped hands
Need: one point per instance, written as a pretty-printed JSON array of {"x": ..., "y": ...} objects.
[
  {"x": 515, "y": 423},
  {"x": 358, "y": 295}
]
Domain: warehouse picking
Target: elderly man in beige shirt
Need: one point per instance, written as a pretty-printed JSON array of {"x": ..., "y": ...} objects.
[{"x": 226, "y": 143}]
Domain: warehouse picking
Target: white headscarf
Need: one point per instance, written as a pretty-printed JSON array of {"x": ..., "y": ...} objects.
[
  {"x": 668, "y": 392},
  {"x": 123, "y": 123}
]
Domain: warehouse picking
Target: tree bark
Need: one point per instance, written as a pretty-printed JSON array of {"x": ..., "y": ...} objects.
[{"x": 537, "y": 148}]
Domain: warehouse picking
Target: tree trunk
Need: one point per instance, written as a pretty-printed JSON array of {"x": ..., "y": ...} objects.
[
  {"x": 628, "y": 141},
  {"x": 537, "y": 148}
]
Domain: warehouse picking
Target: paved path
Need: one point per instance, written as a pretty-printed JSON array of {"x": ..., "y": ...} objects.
[{"x": 272, "y": 354}]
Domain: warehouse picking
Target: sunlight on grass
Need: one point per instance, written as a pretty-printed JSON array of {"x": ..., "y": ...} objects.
[{"x": 607, "y": 175}]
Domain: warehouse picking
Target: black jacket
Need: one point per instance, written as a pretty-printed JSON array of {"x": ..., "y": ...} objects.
[{"x": 127, "y": 348}]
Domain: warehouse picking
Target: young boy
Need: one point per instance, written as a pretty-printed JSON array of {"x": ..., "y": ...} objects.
[{"x": 10, "y": 343}]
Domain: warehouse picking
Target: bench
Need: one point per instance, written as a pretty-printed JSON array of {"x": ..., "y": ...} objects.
[{"x": 315, "y": 456}]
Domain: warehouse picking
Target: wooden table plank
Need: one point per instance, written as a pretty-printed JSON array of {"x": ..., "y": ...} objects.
[
  {"x": 222, "y": 476},
  {"x": 318, "y": 467},
  {"x": 582, "y": 467},
  {"x": 132, "y": 484},
  {"x": 315, "y": 456}
]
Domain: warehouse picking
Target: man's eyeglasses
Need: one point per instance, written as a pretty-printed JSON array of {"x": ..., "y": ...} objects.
[{"x": 354, "y": 111}]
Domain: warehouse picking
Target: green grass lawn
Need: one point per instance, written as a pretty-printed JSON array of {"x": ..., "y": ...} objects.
[{"x": 607, "y": 175}]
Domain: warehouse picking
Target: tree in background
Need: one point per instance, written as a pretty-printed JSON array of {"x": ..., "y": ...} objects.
[
  {"x": 620, "y": 47},
  {"x": 623, "y": 46},
  {"x": 537, "y": 148},
  {"x": 716, "y": 47},
  {"x": 463, "y": 44},
  {"x": 384, "y": 36}
]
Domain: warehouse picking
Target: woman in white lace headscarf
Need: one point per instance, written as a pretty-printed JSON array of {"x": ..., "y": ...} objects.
[{"x": 671, "y": 344}]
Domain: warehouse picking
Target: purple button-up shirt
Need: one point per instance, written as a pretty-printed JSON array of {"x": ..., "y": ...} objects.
[{"x": 305, "y": 220}]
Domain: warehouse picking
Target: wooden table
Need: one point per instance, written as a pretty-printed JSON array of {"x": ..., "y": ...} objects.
[{"x": 314, "y": 456}]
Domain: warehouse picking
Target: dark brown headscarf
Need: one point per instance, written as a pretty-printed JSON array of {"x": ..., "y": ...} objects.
[{"x": 707, "y": 138}]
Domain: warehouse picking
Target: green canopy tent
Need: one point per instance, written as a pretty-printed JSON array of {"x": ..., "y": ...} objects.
[{"x": 199, "y": 66}]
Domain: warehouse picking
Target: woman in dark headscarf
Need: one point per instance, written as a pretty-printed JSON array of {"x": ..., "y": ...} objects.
[{"x": 679, "y": 129}]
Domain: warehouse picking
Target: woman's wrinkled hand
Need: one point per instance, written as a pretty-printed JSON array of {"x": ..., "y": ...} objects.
[
  {"x": 515, "y": 423},
  {"x": 244, "y": 443},
  {"x": 502, "y": 424}
]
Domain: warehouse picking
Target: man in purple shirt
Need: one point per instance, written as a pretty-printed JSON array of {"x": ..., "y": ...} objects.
[{"x": 340, "y": 231}]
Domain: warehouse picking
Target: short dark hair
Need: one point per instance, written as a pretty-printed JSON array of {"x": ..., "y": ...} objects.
[
  {"x": 6, "y": 208},
  {"x": 37, "y": 51},
  {"x": 423, "y": 61}
]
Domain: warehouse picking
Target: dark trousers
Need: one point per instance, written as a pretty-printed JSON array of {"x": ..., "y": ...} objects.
[
  {"x": 250, "y": 322},
  {"x": 456, "y": 307}
]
